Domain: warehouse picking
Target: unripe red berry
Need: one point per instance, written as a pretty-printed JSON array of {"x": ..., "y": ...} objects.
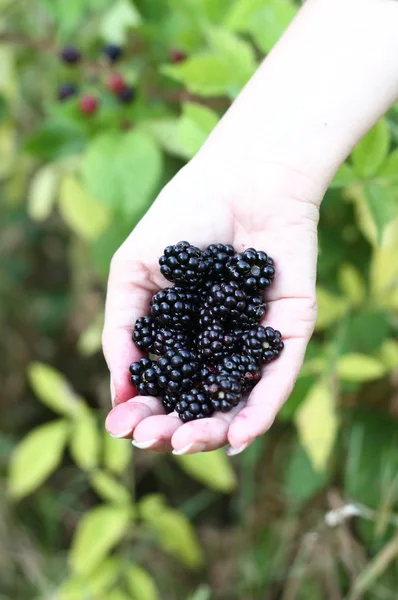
[
  {"x": 115, "y": 83},
  {"x": 176, "y": 55},
  {"x": 89, "y": 104}
]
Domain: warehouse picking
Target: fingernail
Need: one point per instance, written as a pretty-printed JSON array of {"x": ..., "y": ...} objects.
[
  {"x": 190, "y": 449},
  {"x": 113, "y": 391},
  {"x": 145, "y": 445},
  {"x": 234, "y": 451},
  {"x": 122, "y": 434}
]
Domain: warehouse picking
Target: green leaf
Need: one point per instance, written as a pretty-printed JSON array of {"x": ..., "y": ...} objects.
[
  {"x": 36, "y": 457},
  {"x": 85, "y": 441},
  {"x": 389, "y": 354},
  {"x": 330, "y": 308},
  {"x": 223, "y": 70},
  {"x": 123, "y": 170},
  {"x": 301, "y": 479},
  {"x": 352, "y": 284},
  {"x": 51, "y": 388},
  {"x": 389, "y": 169},
  {"x": 42, "y": 192},
  {"x": 206, "y": 74},
  {"x": 97, "y": 533},
  {"x": 141, "y": 584},
  {"x": 317, "y": 425},
  {"x": 95, "y": 585},
  {"x": 211, "y": 468},
  {"x": 165, "y": 133},
  {"x": 121, "y": 17},
  {"x": 56, "y": 139},
  {"x": 82, "y": 213},
  {"x": 265, "y": 20},
  {"x": 89, "y": 342},
  {"x": 172, "y": 529},
  {"x": 109, "y": 489},
  {"x": 372, "y": 150},
  {"x": 360, "y": 367},
  {"x": 371, "y": 463},
  {"x": 382, "y": 206},
  {"x": 117, "y": 454},
  {"x": 384, "y": 269},
  {"x": 344, "y": 177},
  {"x": 194, "y": 127}
]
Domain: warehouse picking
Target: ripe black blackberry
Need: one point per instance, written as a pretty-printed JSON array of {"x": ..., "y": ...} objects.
[
  {"x": 169, "y": 402},
  {"x": 113, "y": 52},
  {"x": 226, "y": 302},
  {"x": 145, "y": 376},
  {"x": 179, "y": 370},
  {"x": 262, "y": 343},
  {"x": 144, "y": 333},
  {"x": 252, "y": 269},
  {"x": 66, "y": 90},
  {"x": 213, "y": 343},
  {"x": 174, "y": 308},
  {"x": 224, "y": 390},
  {"x": 218, "y": 256},
  {"x": 194, "y": 404},
  {"x": 256, "y": 309},
  {"x": 167, "y": 339},
  {"x": 243, "y": 367},
  {"x": 127, "y": 94},
  {"x": 183, "y": 264},
  {"x": 70, "y": 55}
]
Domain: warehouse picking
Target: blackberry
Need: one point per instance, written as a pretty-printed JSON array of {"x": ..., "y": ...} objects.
[
  {"x": 262, "y": 343},
  {"x": 183, "y": 264},
  {"x": 174, "y": 308},
  {"x": 243, "y": 367},
  {"x": 176, "y": 55},
  {"x": 226, "y": 302},
  {"x": 252, "y": 269},
  {"x": 144, "y": 332},
  {"x": 166, "y": 339},
  {"x": 113, "y": 52},
  {"x": 256, "y": 308},
  {"x": 70, "y": 55},
  {"x": 127, "y": 94},
  {"x": 169, "y": 402},
  {"x": 179, "y": 370},
  {"x": 223, "y": 389},
  {"x": 193, "y": 405},
  {"x": 214, "y": 343},
  {"x": 145, "y": 376},
  {"x": 218, "y": 256},
  {"x": 115, "y": 83},
  {"x": 66, "y": 90},
  {"x": 88, "y": 104}
]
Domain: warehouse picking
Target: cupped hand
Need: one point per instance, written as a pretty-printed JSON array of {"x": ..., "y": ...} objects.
[{"x": 266, "y": 206}]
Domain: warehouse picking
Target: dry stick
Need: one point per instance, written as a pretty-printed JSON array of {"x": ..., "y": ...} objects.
[
  {"x": 375, "y": 568},
  {"x": 300, "y": 567}
]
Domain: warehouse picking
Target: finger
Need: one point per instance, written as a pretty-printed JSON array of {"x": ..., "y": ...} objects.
[
  {"x": 130, "y": 289},
  {"x": 124, "y": 418},
  {"x": 204, "y": 434},
  {"x": 268, "y": 396},
  {"x": 155, "y": 432}
]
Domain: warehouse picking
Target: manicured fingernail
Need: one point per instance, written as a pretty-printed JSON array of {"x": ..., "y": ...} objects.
[
  {"x": 234, "y": 451},
  {"x": 145, "y": 445},
  {"x": 190, "y": 449}
]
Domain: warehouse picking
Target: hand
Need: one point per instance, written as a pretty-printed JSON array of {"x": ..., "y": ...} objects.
[{"x": 275, "y": 211}]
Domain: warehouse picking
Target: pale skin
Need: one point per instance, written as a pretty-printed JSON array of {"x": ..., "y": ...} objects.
[{"x": 258, "y": 181}]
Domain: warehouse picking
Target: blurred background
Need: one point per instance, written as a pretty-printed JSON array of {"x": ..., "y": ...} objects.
[{"x": 101, "y": 103}]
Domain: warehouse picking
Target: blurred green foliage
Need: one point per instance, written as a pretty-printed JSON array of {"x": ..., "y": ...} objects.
[{"x": 80, "y": 518}]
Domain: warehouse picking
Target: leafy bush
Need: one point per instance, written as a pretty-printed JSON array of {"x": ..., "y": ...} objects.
[{"x": 81, "y": 519}]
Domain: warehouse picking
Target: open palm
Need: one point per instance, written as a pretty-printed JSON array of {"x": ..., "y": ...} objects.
[{"x": 276, "y": 212}]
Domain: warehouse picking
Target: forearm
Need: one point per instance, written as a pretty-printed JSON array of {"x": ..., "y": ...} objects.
[{"x": 327, "y": 81}]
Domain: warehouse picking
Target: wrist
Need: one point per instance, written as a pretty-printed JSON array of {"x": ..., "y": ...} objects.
[{"x": 329, "y": 79}]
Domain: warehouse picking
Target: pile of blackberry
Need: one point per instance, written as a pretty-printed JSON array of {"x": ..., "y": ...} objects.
[{"x": 205, "y": 344}]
